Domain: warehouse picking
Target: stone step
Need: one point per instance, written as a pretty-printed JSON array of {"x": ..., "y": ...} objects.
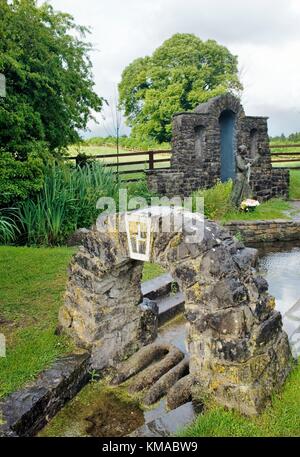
[
  {"x": 169, "y": 306},
  {"x": 157, "y": 287}
]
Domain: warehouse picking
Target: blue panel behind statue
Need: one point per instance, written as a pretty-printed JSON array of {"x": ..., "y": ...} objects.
[{"x": 227, "y": 128}]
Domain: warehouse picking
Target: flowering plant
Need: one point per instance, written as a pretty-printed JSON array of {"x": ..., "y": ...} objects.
[{"x": 249, "y": 205}]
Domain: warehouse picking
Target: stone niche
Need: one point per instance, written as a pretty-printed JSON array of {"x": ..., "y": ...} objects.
[
  {"x": 239, "y": 353},
  {"x": 204, "y": 145}
]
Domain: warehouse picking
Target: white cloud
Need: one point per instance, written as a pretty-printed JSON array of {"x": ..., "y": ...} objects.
[{"x": 265, "y": 35}]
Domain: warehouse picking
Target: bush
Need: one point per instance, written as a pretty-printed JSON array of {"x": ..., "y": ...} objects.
[
  {"x": 19, "y": 179},
  {"x": 66, "y": 202},
  {"x": 139, "y": 189},
  {"x": 217, "y": 199}
]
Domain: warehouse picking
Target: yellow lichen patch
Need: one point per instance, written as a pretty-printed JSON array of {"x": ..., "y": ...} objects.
[
  {"x": 215, "y": 384},
  {"x": 231, "y": 374},
  {"x": 196, "y": 290},
  {"x": 196, "y": 264},
  {"x": 219, "y": 368},
  {"x": 176, "y": 240},
  {"x": 271, "y": 303},
  {"x": 2, "y": 421}
]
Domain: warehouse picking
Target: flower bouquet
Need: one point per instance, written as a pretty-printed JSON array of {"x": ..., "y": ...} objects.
[{"x": 249, "y": 205}]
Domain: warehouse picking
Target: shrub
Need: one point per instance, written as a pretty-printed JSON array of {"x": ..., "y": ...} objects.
[
  {"x": 19, "y": 179},
  {"x": 139, "y": 189},
  {"x": 217, "y": 201}
]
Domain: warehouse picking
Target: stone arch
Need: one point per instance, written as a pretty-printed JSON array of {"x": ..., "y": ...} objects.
[
  {"x": 238, "y": 351},
  {"x": 225, "y": 107}
]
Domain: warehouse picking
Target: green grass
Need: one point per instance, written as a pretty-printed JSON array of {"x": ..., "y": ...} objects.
[
  {"x": 151, "y": 270},
  {"x": 271, "y": 209},
  {"x": 286, "y": 164},
  {"x": 94, "y": 150},
  {"x": 32, "y": 282},
  {"x": 218, "y": 205},
  {"x": 103, "y": 150},
  {"x": 295, "y": 184},
  {"x": 280, "y": 418}
]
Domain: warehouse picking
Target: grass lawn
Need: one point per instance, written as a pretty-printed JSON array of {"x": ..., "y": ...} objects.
[
  {"x": 281, "y": 418},
  {"x": 271, "y": 209},
  {"x": 295, "y": 184},
  {"x": 151, "y": 270},
  {"x": 32, "y": 283}
]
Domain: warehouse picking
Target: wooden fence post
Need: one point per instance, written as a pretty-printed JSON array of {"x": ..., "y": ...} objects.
[{"x": 151, "y": 160}]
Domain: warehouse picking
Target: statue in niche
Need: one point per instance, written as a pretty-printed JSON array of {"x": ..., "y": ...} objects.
[{"x": 241, "y": 186}]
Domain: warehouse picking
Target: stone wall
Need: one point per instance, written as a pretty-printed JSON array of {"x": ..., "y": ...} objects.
[
  {"x": 239, "y": 353},
  {"x": 257, "y": 231},
  {"x": 101, "y": 309},
  {"x": 25, "y": 412},
  {"x": 196, "y": 152}
]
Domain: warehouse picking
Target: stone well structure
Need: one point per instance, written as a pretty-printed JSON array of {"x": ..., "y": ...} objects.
[
  {"x": 204, "y": 145},
  {"x": 238, "y": 350}
]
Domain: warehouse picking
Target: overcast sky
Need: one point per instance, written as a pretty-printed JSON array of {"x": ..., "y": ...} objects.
[{"x": 264, "y": 34}]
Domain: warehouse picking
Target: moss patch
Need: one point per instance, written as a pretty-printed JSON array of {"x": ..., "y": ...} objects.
[
  {"x": 280, "y": 418},
  {"x": 98, "y": 410}
]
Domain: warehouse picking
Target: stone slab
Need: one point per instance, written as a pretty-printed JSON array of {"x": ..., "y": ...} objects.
[{"x": 25, "y": 412}]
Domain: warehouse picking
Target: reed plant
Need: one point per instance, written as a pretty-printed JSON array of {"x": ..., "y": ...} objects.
[
  {"x": 8, "y": 225},
  {"x": 66, "y": 202}
]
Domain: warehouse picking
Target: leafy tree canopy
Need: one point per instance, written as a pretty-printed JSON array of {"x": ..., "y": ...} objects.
[
  {"x": 44, "y": 56},
  {"x": 183, "y": 72}
]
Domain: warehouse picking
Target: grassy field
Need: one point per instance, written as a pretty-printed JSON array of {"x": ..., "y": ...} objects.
[
  {"x": 280, "y": 418},
  {"x": 272, "y": 209},
  {"x": 32, "y": 283},
  {"x": 295, "y": 184},
  {"x": 105, "y": 150}
]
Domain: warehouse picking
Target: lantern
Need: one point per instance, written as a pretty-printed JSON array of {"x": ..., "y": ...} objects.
[{"x": 138, "y": 230}]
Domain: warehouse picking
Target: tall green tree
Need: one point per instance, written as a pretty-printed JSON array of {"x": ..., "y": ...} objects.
[
  {"x": 50, "y": 93},
  {"x": 183, "y": 72},
  {"x": 44, "y": 56}
]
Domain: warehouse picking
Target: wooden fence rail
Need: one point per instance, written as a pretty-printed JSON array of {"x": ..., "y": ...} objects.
[
  {"x": 149, "y": 159},
  {"x": 287, "y": 156}
]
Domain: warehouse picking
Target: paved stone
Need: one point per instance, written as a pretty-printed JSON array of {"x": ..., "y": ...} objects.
[
  {"x": 169, "y": 307},
  {"x": 157, "y": 287}
]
